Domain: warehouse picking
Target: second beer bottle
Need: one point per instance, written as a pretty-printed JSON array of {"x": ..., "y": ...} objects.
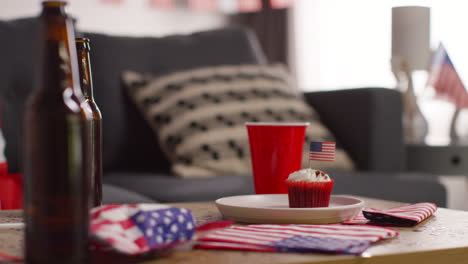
[{"x": 93, "y": 128}]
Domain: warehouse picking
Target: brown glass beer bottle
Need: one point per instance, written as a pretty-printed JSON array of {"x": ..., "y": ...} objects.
[
  {"x": 93, "y": 134},
  {"x": 55, "y": 193}
]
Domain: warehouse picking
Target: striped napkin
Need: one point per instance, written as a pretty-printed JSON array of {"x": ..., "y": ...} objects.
[
  {"x": 405, "y": 216},
  {"x": 343, "y": 239}
]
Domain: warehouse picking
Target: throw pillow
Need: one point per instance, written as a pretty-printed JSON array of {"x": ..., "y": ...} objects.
[{"x": 199, "y": 115}]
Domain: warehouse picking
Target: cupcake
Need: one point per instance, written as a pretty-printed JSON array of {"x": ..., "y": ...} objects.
[{"x": 309, "y": 188}]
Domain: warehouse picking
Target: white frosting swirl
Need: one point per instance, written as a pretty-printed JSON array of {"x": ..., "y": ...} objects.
[{"x": 309, "y": 175}]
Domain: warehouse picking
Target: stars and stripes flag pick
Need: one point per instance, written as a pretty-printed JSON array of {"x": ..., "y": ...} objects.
[
  {"x": 445, "y": 79},
  {"x": 406, "y": 215},
  {"x": 322, "y": 151},
  {"x": 139, "y": 228},
  {"x": 343, "y": 239}
]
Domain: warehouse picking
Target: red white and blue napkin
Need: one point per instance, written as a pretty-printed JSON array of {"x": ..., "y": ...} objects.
[
  {"x": 353, "y": 238},
  {"x": 138, "y": 229},
  {"x": 406, "y": 215},
  {"x": 135, "y": 229},
  {"x": 342, "y": 239}
]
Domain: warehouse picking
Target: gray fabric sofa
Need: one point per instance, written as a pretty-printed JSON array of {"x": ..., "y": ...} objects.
[{"x": 366, "y": 121}]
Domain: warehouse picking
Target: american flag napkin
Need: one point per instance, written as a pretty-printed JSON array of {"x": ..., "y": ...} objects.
[
  {"x": 343, "y": 239},
  {"x": 406, "y": 215},
  {"x": 135, "y": 229}
]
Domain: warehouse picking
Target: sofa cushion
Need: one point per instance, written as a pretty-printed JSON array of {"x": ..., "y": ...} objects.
[
  {"x": 367, "y": 121},
  {"x": 165, "y": 188},
  {"x": 409, "y": 187},
  {"x": 19, "y": 53},
  {"x": 118, "y": 195},
  {"x": 125, "y": 133},
  {"x": 390, "y": 186},
  {"x": 199, "y": 115}
]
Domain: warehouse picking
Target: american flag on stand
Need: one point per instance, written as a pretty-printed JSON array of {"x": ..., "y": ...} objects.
[
  {"x": 343, "y": 239},
  {"x": 139, "y": 228},
  {"x": 322, "y": 151},
  {"x": 445, "y": 79},
  {"x": 406, "y": 215}
]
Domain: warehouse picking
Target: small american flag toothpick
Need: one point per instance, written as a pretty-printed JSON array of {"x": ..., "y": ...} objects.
[{"x": 322, "y": 151}]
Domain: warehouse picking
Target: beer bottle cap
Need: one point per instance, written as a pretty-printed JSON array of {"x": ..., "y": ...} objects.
[
  {"x": 82, "y": 44},
  {"x": 54, "y": 3}
]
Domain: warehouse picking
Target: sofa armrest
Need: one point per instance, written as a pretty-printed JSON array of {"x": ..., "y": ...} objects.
[{"x": 367, "y": 123}]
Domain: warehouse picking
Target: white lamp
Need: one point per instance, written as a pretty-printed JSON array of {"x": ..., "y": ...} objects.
[
  {"x": 410, "y": 53},
  {"x": 411, "y": 36}
]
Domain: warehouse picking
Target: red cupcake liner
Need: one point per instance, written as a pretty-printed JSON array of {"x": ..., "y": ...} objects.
[{"x": 309, "y": 194}]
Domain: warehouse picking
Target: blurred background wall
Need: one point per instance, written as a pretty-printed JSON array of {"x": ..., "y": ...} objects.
[{"x": 131, "y": 17}]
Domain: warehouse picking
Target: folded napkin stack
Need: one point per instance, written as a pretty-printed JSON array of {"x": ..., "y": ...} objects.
[{"x": 404, "y": 216}]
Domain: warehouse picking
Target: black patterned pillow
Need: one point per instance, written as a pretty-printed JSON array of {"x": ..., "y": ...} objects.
[{"x": 199, "y": 115}]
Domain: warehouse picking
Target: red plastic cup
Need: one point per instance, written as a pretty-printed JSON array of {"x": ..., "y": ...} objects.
[
  {"x": 10, "y": 189},
  {"x": 276, "y": 152}
]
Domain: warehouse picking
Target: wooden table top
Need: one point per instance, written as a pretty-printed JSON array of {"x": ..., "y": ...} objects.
[{"x": 443, "y": 238}]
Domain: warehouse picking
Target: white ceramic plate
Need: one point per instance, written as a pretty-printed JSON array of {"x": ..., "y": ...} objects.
[{"x": 274, "y": 209}]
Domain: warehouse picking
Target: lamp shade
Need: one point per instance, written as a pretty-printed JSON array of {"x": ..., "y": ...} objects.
[{"x": 411, "y": 36}]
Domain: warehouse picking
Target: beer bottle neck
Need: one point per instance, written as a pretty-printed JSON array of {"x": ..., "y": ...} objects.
[
  {"x": 53, "y": 8},
  {"x": 59, "y": 53},
  {"x": 56, "y": 23},
  {"x": 86, "y": 79}
]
